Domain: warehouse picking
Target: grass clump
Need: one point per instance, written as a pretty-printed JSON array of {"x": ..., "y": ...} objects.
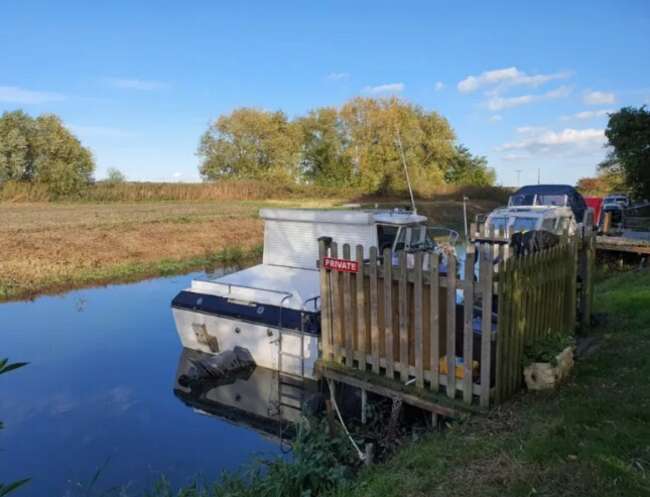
[{"x": 320, "y": 463}]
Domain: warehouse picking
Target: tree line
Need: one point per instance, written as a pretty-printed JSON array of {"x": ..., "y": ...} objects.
[{"x": 361, "y": 144}]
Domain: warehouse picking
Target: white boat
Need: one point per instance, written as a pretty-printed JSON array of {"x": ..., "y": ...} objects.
[
  {"x": 553, "y": 208},
  {"x": 273, "y": 309}
]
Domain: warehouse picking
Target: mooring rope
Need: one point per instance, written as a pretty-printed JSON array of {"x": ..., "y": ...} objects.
[{"x": 361, "y": 455}]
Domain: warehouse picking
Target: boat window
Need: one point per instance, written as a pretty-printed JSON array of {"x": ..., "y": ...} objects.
[
  {"x": 549, "y": 224},
  {"x": 386, "y": 235},
  {"x": 559, "y": 200},
  {"x": 522, "y": 224},
  {"x": 498, "y": 224},
  {"x": 522, "y": 199}
]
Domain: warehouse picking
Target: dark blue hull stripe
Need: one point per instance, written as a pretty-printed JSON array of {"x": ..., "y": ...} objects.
[{"x": 268, "y": 315}]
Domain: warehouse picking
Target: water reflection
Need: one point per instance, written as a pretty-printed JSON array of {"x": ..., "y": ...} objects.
[
  {"x": 259, "y": 399},
  {"x": 98, "y": 394}
]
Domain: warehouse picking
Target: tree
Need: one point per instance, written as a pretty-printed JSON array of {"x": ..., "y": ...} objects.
[
  {"x": 378, "y": 128},
  {"x": 628, "y": 133},
  {"x": 114, "y": 176},
  {"x": 324, "y": 159},
  {"x": 467, "y": 169},
  {"x": 251, "y": 144},
  {"x": 42, "y": 150}
]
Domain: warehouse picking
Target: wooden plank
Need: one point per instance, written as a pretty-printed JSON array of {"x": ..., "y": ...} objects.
[
  {"x": 388, "y": 313},
  {"x": 348, "y": 312},
  {"x": 325, "y": 304},
  {"x": 374, "y": 311},
  {"x": 403, "y": 317},
  {"x": 434, "y": 317},
  {"x": 336, "y": 306},
  {"x": 468, "y": 334},
  {"x": 361, "y": 306},
  {"x": 375, "y": 388},
  {"x": 485, "y": 281},
  {"x": 451, "y": 326},
  {"x": 417, "y": 322}
]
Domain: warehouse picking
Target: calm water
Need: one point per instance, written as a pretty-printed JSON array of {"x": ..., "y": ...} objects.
[{"x": 98, "y": 393}]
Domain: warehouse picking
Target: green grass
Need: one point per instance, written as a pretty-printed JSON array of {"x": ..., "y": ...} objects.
[{"x": 591, "y": 437}]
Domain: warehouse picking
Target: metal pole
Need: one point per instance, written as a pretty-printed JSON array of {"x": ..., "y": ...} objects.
[
  {"x": 465, "y": 199},
  {"x": 406, "y": 171}
]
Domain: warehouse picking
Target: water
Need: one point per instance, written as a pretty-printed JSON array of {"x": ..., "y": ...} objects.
[{"x": 98, "y": 394}]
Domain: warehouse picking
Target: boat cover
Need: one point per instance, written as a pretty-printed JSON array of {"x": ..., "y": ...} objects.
[{"x": 575, "y": 201}]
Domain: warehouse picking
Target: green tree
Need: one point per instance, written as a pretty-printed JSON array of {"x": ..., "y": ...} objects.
[
  {"x": 42, "y": 150},
  {"x": 324, "y": 159},
  {"x": 251, "y": 144},
  {"x": 377, "y": 127},
  {"x": 467, "y": 169},
  {"x": 114, "y": 176},
  {"x": 628, "y": 133}
]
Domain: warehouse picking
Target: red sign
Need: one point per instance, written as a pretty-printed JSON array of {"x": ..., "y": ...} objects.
[{"x": 342, "y": 265}]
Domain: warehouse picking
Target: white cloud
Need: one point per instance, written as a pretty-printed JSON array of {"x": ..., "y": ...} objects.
[
  {"x": 495, "y": 118},
  {"x": 544, "y": 141},
  {"x": 136, "y": 84},
  {"x": 587, "y": 114},
  {"x": 497, "y": 103},
  {"x": 439, "y": 86},
  {"x": 599, "y": 98},
  {"x": 337, "y": 76},
  {"x": 16, "y": 95},
  {"x": 509, "y": 76},
  {"x": 177, "y": 175},
  {"x": 386, "y": 88}
]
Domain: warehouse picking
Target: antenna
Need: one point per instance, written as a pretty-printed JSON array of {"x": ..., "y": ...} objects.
[{"x": 406, "y": 172}]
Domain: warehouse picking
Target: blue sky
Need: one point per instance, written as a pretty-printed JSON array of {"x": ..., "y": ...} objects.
[{"x": 527, "y": 84}]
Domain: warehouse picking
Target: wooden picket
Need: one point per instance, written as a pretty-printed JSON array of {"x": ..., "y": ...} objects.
[{"x": 402, "y": 321}]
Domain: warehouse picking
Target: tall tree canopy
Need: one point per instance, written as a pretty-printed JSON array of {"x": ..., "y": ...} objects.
[
  {"x": 250, "y": 144},
  {"x": 359, "y": 144},
  {"x": 42, "y": 150},
  {"x": 628, "y": 133}
]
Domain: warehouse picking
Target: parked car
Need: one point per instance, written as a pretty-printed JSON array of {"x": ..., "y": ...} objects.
[{"x": 617, "y": 199}]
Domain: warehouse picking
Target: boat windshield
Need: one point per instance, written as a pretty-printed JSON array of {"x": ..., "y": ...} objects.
[
  {"x": 537, "y": 199},
  {"x": 523, "y": 224}
]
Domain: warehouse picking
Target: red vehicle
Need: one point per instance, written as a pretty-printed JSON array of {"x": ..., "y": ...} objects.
[{"x": 595, "y": 203}]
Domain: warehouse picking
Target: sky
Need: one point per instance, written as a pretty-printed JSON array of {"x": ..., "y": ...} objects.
[{"x": 526, "y": 84}]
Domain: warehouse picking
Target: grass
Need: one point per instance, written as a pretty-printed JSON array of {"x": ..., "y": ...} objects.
[
  {"x": 49, "y": 247},
  {"x": 589, "y": 438}
]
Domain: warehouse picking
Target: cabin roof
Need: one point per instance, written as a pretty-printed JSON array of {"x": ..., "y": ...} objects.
[{"x": 340, "y": 216}]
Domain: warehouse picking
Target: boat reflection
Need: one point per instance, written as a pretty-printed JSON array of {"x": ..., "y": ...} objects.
[{"x": 258, "y": 398}]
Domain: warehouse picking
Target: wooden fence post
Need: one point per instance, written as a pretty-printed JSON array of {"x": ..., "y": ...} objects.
[
  {"x": 403, "y": 318},
  {"x": 417, "y": 321},
  {"x": 451, "y": 326},
  {"x": 388, "y": 313},
  {"x": 326, "y": 304},
  {"x": 486, "y": 271},
  {"x": 361, "y": 308},
  {"x": 348, "y": 316},
  {"x": 434, "y": 319},
  {"x": 374, "y": 324}
]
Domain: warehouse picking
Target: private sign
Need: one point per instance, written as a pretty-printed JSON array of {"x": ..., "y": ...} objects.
[{"x": 342, "y": 265}]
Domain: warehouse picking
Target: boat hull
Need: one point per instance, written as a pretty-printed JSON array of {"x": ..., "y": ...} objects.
[{"x": 213, "y": 333}]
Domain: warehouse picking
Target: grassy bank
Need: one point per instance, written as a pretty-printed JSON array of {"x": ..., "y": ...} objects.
[
  {"x": 55, "y": 246},
  {"x": 233, "y": 190},
  {"x": 592, "y": 437}
]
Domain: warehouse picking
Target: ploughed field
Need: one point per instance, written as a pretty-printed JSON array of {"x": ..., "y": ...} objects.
[{"x": 51, "y": 247}]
